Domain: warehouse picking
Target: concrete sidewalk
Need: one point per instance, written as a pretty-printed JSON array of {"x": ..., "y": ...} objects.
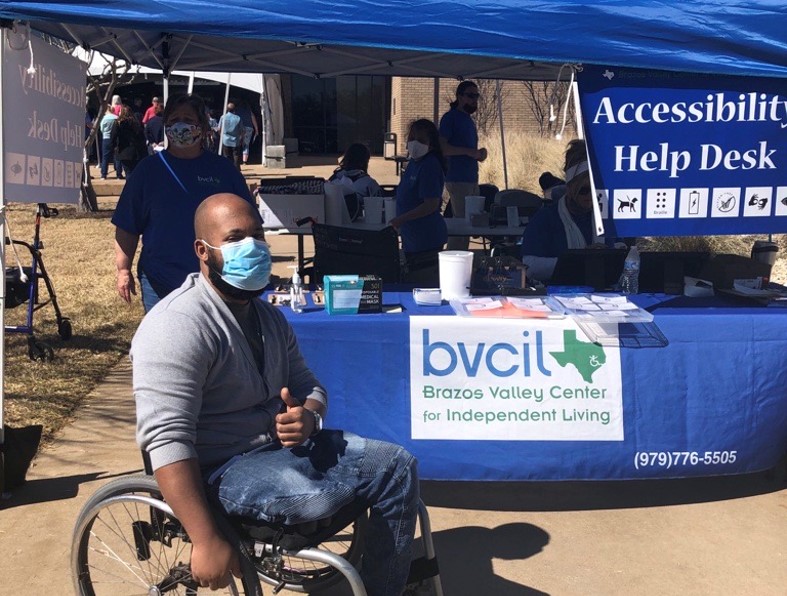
[{"x": 714, "y": 536}]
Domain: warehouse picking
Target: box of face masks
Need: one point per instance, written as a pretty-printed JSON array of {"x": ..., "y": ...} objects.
[{"x": 353, "y": 294}]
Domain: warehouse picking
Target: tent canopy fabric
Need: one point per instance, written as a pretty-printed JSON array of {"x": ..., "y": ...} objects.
[{"x": 502, "y": 39}]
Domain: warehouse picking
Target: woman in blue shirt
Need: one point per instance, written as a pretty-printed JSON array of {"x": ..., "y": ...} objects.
[
  {"x": 418, "y": 200},
  {"x": 159, "y": 201}
]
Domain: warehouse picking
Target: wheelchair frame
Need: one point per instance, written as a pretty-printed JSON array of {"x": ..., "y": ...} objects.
[{"x": 148, "y": 520}]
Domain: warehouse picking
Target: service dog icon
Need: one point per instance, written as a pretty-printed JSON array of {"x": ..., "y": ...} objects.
[{"x": 629, "y": 202}]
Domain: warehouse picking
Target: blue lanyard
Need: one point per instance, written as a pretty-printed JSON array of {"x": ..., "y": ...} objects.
[{"x": 171, "y": 171}]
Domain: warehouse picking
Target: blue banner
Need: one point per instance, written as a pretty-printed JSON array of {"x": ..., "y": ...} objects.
[{"x": 675, "y": 154}]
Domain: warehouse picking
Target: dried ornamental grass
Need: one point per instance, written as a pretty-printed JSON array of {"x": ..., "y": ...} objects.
[{"x": 78, "y": 254}]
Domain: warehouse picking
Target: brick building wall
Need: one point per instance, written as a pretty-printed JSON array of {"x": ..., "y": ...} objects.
[{"x": 413, "y": 98}]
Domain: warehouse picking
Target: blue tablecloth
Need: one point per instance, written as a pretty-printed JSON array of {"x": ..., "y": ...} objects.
[{"x": 713, "y": 401}]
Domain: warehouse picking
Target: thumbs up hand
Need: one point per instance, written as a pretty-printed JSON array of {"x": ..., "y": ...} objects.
[{"x": 294, "y": 425}]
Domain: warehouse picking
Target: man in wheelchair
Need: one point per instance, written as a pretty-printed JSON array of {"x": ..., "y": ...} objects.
[{"x": 229, "y": 413}]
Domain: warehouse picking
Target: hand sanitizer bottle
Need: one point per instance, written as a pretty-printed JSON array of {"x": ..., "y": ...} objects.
[{"x": 297, "y": 300}]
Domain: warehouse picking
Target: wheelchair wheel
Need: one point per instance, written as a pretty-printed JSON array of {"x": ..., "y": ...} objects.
[
  {"x": 127, "y": 541},
  {"x": 303, "y": 575}
]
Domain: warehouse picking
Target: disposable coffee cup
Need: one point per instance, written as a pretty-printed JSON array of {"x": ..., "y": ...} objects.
[
  {"x": 456, "y": 267},
  {"x": 389, "y": 205},
  {"x": 373, "y": 209},
  {"x": 765, "y": 252},
  {"x": 473, "y": 204}
]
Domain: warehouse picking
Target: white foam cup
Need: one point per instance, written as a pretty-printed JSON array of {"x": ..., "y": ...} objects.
[
  {"x": 765, "y": 252},
  {"x": 456, "y": 267}
]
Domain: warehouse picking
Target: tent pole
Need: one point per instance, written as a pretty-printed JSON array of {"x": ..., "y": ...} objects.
[
  {"x": 191, "y": 83},
  {"x": 2, "y": 267},
  {"x": 263, "y": 119},
  {"x": 598, "y": 222},
  {"x": 166, "y": 88},
  {"x": 502, "y": 132},
  {"x": 436, "y": 101},
  {"x": 226, "y": 101}
]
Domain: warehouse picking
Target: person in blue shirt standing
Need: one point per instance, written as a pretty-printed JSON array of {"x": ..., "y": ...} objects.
[
  {"x": 107, "y": 125},
  {"x": 232, "y": 134},
  {"x": 418, "y": 199},
  {"x": 158, "y": 204},
  {"x": 250, "y": 129},
  {"x": 459, "y": 142}
]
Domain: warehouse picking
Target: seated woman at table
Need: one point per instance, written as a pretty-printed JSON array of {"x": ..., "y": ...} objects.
[
  {"x": 418, "y": 200},
  {"x": 565, "y": 224},
  {"x": 354, "y": 165}
]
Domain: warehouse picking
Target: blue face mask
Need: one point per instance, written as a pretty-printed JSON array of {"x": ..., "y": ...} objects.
[{"x": 247, "y": 263}]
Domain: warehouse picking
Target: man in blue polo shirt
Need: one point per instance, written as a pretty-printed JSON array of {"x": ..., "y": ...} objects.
[{"x": 459, "y": 142}]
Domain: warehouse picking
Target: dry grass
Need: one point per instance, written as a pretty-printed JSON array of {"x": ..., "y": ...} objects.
[
  {"x": 527, "y": 157},
  {"x": 78, "y": 255}
]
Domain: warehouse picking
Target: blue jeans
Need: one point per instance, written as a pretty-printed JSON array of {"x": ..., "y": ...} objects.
[
  {"x": 149, "y": 296},
  {"x": 314, "y": 480},
  {"x": 107, "y": 154},
  {"x": 248, "y": 131}
]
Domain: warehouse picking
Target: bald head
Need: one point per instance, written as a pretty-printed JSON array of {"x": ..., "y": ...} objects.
[
  {"x": 224, "y": 219},
  {"x": 214, "y": 212}
]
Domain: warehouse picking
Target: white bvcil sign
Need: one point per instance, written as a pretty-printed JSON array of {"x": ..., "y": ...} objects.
[
  {"x": 43, "y": 122},
  {"x": 512, "y": 380}
]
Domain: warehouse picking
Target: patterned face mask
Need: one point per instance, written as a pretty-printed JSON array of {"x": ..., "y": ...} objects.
[{"x": 182, "y": 134}]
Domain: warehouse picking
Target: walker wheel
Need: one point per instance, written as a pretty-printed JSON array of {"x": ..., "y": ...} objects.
[
  {"x": 39, "y": 351},
  {"x": 64, "y": 329}
]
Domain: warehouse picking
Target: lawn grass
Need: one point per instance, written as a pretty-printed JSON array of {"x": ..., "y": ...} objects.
[{"x": 78, "y": 255}]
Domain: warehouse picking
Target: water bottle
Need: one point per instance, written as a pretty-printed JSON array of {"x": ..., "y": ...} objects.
[{"x": 629, "y": 279}]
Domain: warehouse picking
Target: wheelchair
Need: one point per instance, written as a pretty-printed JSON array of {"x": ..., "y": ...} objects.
[{"x": 128, "y": 541}]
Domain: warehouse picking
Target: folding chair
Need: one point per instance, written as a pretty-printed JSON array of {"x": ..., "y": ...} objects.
[{"x": 345, "y": 251}]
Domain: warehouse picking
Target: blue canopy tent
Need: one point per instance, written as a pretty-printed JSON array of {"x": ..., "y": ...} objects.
[{"x": 502, "y": 39}]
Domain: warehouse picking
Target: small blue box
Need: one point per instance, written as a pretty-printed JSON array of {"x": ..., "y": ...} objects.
[{"x": 351, "y": 294}]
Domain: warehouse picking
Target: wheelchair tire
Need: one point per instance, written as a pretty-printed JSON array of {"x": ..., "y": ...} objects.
[
  {"x": 124, "y": 543},
  {"x": 302, "y": 575}
]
